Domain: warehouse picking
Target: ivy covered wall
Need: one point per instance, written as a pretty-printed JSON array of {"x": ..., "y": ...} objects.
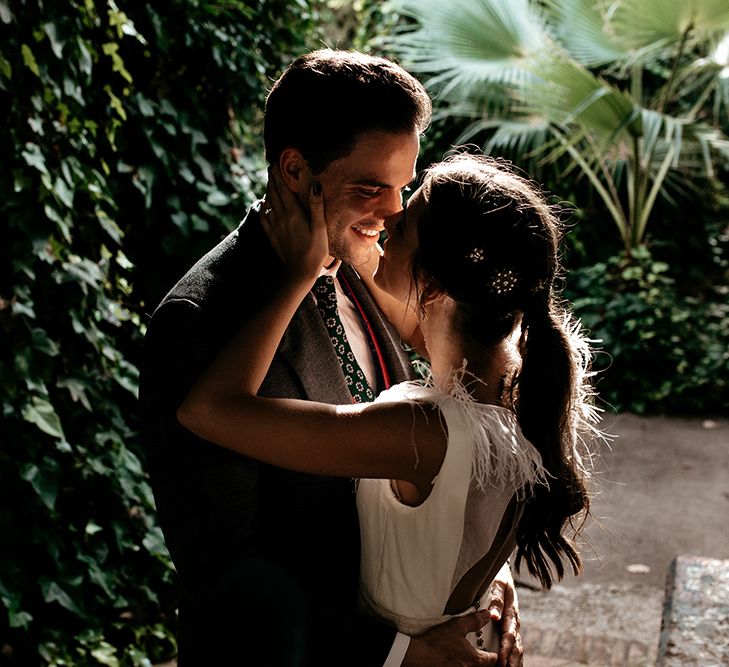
[{"x": 129, "y": 143}]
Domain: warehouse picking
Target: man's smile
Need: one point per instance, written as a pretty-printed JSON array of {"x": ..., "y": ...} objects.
[{"x": 367, "y": 232}]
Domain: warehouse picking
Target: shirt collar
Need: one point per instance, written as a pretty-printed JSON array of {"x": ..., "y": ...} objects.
[{"x": 331, "y": 270}]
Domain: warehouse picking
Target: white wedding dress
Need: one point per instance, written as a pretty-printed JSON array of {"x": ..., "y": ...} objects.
[{"x": 413, "y": 558}]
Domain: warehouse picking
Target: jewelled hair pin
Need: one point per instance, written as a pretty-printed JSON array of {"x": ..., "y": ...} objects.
[
  {"x": 503, "y": 281},
  {"x": 476, "y": 255}
]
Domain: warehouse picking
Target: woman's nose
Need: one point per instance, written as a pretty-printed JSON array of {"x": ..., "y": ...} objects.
[{"x": 390, "y": 221}]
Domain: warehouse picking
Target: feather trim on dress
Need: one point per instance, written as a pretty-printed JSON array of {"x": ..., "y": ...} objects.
[{"x": 502, "y": 456}]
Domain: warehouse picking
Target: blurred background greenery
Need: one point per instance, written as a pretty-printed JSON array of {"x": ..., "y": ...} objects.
[{"x": 132, "y": 144}]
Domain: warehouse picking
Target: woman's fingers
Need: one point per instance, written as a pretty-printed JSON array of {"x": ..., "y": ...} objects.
[
  {"x": 274, "y": 203},
  {"x": 320, "y": 240},
  {"x": 299, "y": 237},
  {"x": 316, "y": 206},
  {"x": 496, "y": 604},
  {"x": 281, "y": 201}
]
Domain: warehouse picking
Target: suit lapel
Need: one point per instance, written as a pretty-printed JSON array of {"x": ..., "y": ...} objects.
[{"x": 307, "y": 349}]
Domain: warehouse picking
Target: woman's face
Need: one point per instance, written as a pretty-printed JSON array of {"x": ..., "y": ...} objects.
[{"x": 394, "y": 271}]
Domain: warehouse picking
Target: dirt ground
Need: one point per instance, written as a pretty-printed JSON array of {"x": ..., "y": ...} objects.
[{"x": 663, "y": 491}]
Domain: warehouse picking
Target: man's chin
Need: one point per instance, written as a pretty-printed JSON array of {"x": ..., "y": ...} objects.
[{"x": 357, "y": 258}]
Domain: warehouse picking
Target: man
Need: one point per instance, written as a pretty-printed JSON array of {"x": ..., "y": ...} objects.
[{"x": 267, "y": 558}]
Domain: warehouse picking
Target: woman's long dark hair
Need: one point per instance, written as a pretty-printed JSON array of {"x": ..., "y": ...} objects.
[{"x": 489, "y": 240}]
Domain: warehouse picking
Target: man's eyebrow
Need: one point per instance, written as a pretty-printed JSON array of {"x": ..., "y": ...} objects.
[{"x": 374, "y": 183}]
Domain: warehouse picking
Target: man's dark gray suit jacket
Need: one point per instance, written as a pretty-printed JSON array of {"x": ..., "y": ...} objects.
[{"x": 262, "y": 553}]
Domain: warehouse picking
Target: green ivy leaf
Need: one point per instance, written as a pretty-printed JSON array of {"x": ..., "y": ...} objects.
[
  {"x": 91, "y": 529},
  {"x": 41, "y": 413},
  {"x": 12, "y": 600},
  {"x": 63, "y": 192},
  {"x": 85, "y": 61},
  {"x": 116, "y": 104},
  {"x": 205, "y": 167},
  {"x": 19, "y": 619},
  {"x": 52, "y": 592},
  {"x": 6, "y": 16},
  {"x": 61, "y": 221},
  {"x": 43, "y": 343},
  {"x": 108, "y": 225},
  {"x": 29, "y": 59},
  {"x": 77, "y": 389},
  {"x": 83, "y": 269},
  {"x": 52, "y": 34},
  {"x": 105, "y": 654},
  {"x": 34, "y": 158},
  {"x": 111, "y": 49},
  {"x": 44, "y": 479},
  {"x": 217, "y": 198},
  {"x": 5, "y": 68}
]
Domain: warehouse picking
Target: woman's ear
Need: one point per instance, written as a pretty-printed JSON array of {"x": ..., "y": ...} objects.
[
  {"x": 434, "y": 301},
  {"x": 429, "y": 294},
  {"x": 295, "y": 171}
]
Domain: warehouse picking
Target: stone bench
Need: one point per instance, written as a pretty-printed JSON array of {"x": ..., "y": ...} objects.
[{"x": 695, "y": 627}]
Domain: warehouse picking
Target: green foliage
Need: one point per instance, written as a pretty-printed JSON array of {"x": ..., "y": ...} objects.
[
  {"x": 130, "y": 142},
  {"x": 630, "y": 95},
  {"x": 621, "y": 109},
  {"x": 663, "y": 350}
]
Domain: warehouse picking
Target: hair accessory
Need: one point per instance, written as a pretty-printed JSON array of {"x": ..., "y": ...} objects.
[
  {"x": 476, "y": 255},
  {"x": 503, "y": 281},
  {"x": 267, "y": 210}
]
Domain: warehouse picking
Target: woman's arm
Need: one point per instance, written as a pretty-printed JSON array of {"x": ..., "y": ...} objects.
[{"x": 378, "y": 440}]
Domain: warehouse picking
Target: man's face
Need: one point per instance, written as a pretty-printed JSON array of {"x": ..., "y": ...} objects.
[{"x": 365, "y": 187}]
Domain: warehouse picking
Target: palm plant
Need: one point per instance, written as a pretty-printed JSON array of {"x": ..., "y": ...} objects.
[{"x": 631, "y": 93}]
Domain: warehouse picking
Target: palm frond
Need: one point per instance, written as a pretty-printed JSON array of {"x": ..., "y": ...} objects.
[
  {"x": 464, "y": 43},
  {"x": 581, "y": 27},
  {"x": 695, "y": 144},
  {"x": 522, "y": 74},
  {"x": 696, "y": 83},
  {"x": 519, "y": 138},
  {"x": 604, "y": 185},
  {"x": 660, "y": 24},
  {"x": 567, "y": 93},
  {"x": 488, "y": 101},
  {"x": 721, "y": 101}
]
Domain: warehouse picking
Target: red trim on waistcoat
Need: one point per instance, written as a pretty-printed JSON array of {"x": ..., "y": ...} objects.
[{"x": 370, "y": 330}]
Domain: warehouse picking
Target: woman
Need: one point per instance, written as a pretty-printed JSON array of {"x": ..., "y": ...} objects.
[{"x": 456, "y": 472}]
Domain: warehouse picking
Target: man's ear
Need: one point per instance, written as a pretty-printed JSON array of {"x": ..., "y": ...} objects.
[{"x": 295, "y": 171}]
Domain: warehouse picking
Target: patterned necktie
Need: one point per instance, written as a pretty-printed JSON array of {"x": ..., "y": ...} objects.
[{"x": 326, "y": 301}]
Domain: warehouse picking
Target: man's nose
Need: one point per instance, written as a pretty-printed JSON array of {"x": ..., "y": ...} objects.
[{"x": 389, "y": 204}]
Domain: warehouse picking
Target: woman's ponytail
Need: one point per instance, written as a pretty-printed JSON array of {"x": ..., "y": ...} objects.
[{"x": 545, "y": 401}]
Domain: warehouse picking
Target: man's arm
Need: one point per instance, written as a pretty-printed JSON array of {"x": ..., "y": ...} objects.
[{"x": 447, "y": 642}]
